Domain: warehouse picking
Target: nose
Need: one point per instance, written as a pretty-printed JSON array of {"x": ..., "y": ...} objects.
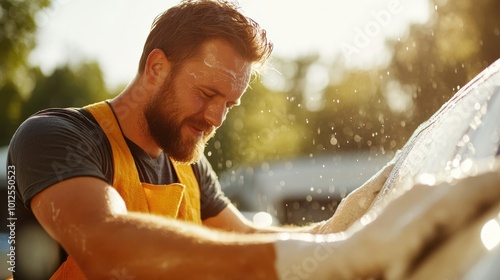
[{"x": 215, "y": 113}]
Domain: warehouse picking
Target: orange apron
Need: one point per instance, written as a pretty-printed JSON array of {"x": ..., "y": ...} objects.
[{"x": 177, "y": 201}]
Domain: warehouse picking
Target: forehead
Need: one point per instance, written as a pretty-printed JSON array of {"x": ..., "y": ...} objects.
[{"x": 217, "y": 62}]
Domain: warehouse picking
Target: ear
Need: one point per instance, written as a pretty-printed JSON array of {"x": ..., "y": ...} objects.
[{"x": 157, "y": 67}]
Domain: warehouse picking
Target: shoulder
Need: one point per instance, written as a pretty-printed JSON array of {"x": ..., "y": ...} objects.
[
  {"x": 54, "y": 121},
  {"x": 52, "y": 129},
  {"x": 55, "y": 125},
  {"x": 57, "y": 144}
]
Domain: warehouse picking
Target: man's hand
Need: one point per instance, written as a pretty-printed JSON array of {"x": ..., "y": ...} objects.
[
  {"x": 418, "y": 223},
  {"x": 357, "y": 203}
]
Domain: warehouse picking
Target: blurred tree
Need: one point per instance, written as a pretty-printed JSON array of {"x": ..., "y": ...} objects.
[
  {"x": 300, "y": 83},
  {"x": 354, "y": 115},
  {"x": 17, "y": 39},
  {"x": 10, "y": 110},
  {"x": 337, "y": 108},
  {"x": 67, "y": 87},
  {"x": 437, "y": 58}
]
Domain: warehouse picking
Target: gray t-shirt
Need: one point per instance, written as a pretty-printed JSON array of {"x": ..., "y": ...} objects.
[{"x": 58, "y": 144}]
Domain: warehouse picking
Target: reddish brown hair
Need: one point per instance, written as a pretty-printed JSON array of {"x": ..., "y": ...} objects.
[{"x": 182, "y": 29}]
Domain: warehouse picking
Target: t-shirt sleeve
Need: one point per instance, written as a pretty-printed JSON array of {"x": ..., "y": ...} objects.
[
  {"x": 213, "y": 200},
  {"x": 51, "y": 147}
]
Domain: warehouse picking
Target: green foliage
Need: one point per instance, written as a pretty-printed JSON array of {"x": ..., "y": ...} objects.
[
  {"x": 67, "y": 87},
  {"x": 17, "y": 39},
  {"x": 10, "y": 110},
  {"x": 354, "y": 115}
]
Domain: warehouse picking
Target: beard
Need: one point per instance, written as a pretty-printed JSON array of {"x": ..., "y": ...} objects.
[{"x": 165, "y": 123}]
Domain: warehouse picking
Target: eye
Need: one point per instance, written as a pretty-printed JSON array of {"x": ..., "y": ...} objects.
[{"x": 207, "y": 94}]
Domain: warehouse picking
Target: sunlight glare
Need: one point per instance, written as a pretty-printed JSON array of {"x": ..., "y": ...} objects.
[
  {"x": 490, "y": 234},
  {"x": 263, "y": 219}
]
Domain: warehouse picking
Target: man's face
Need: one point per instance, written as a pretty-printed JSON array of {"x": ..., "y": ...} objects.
[{"x": 193, "y": 102}]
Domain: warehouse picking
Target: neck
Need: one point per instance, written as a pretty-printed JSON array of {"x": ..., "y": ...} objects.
[{"x": 128, "y": 107}]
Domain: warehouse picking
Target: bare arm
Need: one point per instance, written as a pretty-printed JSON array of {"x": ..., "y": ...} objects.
[
  {"x": 89, "y": 219},
  {"x": 230, "y": 219}
]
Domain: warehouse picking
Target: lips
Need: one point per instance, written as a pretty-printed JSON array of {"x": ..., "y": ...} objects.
[
  {"x": 199, "y": 128},
  {"x": 200, "y": 131}
]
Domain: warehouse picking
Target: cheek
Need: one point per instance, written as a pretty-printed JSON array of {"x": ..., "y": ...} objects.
[{"x": 191, "y": 105}]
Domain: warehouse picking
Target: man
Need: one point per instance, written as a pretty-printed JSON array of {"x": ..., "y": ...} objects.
[{"x": 124, "y": 188}]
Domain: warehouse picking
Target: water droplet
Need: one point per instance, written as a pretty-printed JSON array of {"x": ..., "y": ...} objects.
[
  {"x": 333, "y": 141},
  {"x": 217, "y": 145},
  {"x": 357, "y": 138}
]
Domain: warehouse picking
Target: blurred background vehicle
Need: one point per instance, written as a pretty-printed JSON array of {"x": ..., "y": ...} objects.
[{"x": 299, "y": 191}]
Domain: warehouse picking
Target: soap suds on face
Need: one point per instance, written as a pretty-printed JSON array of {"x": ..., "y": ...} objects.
[
  {"x": 237, "y": 81},
  {"x": 237, "y": 75},
  {"x": 212, "y": 62},
  {"x": 198, "y": 74}
]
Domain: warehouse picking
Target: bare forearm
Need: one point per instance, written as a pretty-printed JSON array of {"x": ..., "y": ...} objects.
[
  {"x": 148, "y": 247},
  {"x": 312, "y": 229}
]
